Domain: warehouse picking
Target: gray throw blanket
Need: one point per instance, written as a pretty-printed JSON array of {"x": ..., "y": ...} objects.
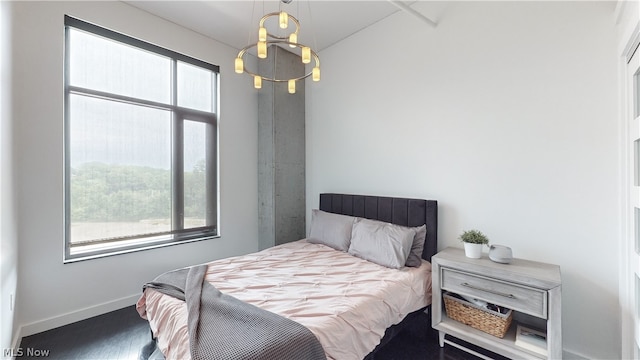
[{"x": 222, "y": 327}]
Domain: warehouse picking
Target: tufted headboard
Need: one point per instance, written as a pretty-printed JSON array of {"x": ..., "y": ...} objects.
[{"x": 399, "y": 211}]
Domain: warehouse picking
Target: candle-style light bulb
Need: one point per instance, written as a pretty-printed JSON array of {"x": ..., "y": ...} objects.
[
  {"x": 262, "y": 34},
  {"x": 284, "y": 20},
  {"x": 262, "y": 49},
  {"x": 292, "y": 86},
  {"x": 315, "y": 74},
  {"x": 293, "y": 38},
  {"x": 239, "y": 65},
  {"x": 306, "y": 54},
  {"x": 257, "y": 82}
]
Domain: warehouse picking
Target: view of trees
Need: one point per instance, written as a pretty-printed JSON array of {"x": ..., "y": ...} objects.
[{"x": 103, "y": 192}]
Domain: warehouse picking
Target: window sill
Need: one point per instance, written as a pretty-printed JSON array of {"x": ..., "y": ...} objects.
[{"x": 97, "y": 251}]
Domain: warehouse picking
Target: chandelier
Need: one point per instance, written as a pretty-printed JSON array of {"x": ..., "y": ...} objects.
[{"x": 267, "y": 39}]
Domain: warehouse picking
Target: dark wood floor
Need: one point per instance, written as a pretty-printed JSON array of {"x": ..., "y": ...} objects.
[{"x": 123, "y": 335}]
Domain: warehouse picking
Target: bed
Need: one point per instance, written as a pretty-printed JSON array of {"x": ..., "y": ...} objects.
[{"x": 351, "y": 304}]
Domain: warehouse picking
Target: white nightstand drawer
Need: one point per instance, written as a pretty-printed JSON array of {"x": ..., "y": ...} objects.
[{"x": 520, "y": 298}]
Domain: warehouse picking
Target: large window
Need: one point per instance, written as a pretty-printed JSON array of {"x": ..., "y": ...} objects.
[{"x": 140, "y": 144}]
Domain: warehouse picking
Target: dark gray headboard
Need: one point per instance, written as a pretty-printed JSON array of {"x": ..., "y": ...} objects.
[{"x": 400, "y": 211}]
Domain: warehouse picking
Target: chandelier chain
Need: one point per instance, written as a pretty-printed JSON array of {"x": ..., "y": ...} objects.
[
  {"x": 253, "y": 9},
  {"x": 315, "y": 42}
]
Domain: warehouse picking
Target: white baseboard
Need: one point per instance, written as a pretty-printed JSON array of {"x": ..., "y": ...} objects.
[
  {"x": 15, "y": 343},
  {"x": 91, "y": 311},
  {"x": 71, "y": 317},
  {"x": 569, "y": 355}
]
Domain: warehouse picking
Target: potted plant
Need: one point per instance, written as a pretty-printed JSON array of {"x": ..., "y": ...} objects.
[{"x": 473, "y": 241}]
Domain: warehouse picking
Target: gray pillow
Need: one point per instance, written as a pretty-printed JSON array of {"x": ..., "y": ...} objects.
[
  {"x": 415, "y": 256},
  {"x": 381, "y": 243},
  {"x": 330, "y": 229}
]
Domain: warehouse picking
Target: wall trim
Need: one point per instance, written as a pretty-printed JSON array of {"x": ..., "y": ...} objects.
[
  {"x": 625, "y": 271},
  {"x": 17, "y": 338},
  {"x": 569, "y": 355},
  {"x": 74, "y": 316}
]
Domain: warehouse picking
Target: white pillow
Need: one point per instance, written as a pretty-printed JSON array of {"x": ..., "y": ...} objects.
[
  {"x": 333, "y": 230},
  {"x": 415, "y": 255},
  {"x": 381, "y": 243}
]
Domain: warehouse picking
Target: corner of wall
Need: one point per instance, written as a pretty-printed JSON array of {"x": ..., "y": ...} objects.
[{"x": 8, "y": 237}]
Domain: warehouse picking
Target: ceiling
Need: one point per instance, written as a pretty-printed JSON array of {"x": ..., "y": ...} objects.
[{"x": 323, "y": 22}]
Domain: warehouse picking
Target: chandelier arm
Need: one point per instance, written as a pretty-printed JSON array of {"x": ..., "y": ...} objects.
[
  {"x": 295, "y": 21},
  {"x": 314, "y": 55},
  {"x": 316, "y": 58},
  {"x": 279, "y": 80}
]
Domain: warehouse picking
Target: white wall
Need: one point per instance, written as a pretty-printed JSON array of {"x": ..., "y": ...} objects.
[
  {"x": 8, "y": 238},
  {"x": 52, "y": 293},
  {"x": 506, "y": 114}
]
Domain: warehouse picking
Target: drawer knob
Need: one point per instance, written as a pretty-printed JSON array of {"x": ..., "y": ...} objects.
[{"x": 510, "y": 296}]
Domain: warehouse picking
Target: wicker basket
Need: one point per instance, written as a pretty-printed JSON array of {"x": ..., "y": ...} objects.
[{"x": 491, "y": 322}]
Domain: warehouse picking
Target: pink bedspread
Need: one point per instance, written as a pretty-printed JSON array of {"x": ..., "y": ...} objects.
[{"x": 345, "y": 301}]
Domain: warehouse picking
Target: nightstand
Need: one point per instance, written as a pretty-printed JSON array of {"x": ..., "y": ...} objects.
[{"x": 531, "y": 289}]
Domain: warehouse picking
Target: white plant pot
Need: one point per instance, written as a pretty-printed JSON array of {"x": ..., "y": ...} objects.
[{"x": 473, "y": 251}]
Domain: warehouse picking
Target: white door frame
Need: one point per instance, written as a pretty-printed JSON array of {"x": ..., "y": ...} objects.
[{"x": 629, "y": 126}]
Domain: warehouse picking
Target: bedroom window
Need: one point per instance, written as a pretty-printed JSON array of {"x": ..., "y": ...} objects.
[{"x": 140, "y": 144}]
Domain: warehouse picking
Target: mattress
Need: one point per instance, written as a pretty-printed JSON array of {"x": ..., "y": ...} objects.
[{"x": 347, "y": 302}]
